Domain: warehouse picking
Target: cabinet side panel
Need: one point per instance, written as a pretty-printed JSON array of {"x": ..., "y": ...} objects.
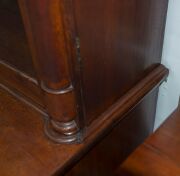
[
  {"x": 120, "y": 41},
  {"x": 106, "y": 156}
]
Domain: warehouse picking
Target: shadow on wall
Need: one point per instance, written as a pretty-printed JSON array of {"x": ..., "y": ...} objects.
[{"x": 170, "y": 91}]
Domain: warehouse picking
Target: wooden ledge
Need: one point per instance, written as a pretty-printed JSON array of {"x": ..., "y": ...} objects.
[
  {"x": 126, "y": 103},
  {"x": 25, "y": 150},
  {"x": 21, "y": 84}
]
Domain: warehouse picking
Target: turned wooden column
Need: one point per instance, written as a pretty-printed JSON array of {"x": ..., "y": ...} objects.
[{"x": 49, "y": 26}]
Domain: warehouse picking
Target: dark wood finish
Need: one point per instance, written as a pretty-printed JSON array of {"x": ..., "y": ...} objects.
[
  {"x": 24, "y": 149},
  {"x": 159, "y": 155},
  {"x": 16, "y": 68},
  {"x": 14, "y": 49},
  {"x": 124, "y": 138},
  {"x": 114, "y": 114},
  {"x": 120, "y": 40},
  {"x": 50, "y": 38},
  {"x": 98, "y": 72},
  {"x": 21, "y": 83},
  {"x": 106, "y": 156},
  {"x": 90, "y": 59}
]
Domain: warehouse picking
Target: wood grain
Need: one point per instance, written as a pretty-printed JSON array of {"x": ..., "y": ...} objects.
[
  {"x": 159, "y": 155},
  {"x": 120, "y": 42},
  {"x": 21, "y": 84},
  {"x": 50, "y": 40},
  {"x": 14, "y": 49},
  {"x": 16, "y": 68},
  {"x": 120, "y": 141},
  {"x": 26, "y": 150},
  {"x": 86, "y": 55}
]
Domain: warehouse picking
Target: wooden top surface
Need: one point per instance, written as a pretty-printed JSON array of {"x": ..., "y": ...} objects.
[
  {"x": 24, "y": 149},
  {"x": 159, "y": 155}
]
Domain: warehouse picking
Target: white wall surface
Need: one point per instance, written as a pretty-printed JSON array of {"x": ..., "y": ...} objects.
[{"x": 170, "y": 91}]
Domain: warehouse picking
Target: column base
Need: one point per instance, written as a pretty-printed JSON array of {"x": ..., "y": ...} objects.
[{"x": 65, "y": 133}]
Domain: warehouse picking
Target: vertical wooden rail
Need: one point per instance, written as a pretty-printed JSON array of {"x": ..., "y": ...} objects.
[{"x": 49, "y": 26}]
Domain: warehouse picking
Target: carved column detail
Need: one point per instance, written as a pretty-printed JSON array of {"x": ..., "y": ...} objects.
[{"x": 49, "y": 27}]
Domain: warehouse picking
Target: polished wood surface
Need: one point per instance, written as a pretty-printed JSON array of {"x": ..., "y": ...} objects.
[
  {"x": 120, "y": 41},
  {"x": 106, "y": 156},
  {"x": 14, "y": 49},
  {"x": 21, "y": 84},
  {"x": 98, "y": 73},
  {"x": 25, "y": 150},
  {"x": 16, "y": 68},
  {"x": 159, "y": 155},
  {"x": 53, "y": 48},
  {"x": 86, "y": 55},
  {"x": 133, "y": 127}
]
